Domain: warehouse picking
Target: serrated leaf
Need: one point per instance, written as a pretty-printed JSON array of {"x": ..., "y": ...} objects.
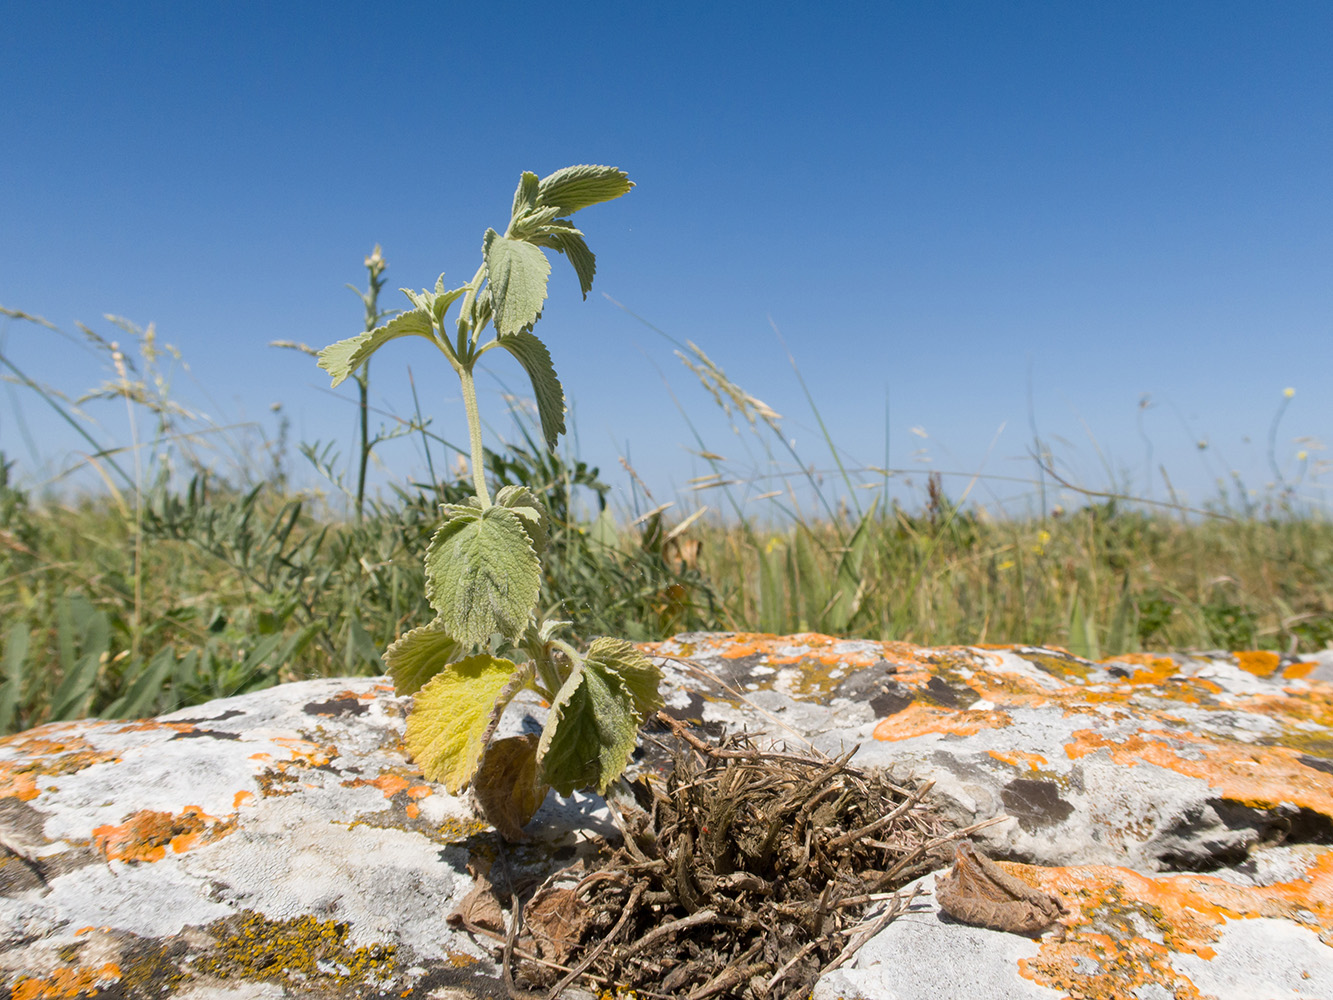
[
  {"x": 453, "y": 715},
  {"x": 516, "y": 272},
  {"x": 595, "y": 717},
  {"x": 419, "y": 655},
  {"x": 523, "y": 502},
  {"x": 578, "y": 187},
  {"x": 536, "y": 361},
  {"x": 482, "y": 574},
  {"x": 569, "y": 241},
  {"x": 639, "y": 676},
  {"x": 525, "y": 196},
  {"x": 346, "y": 356},
  {"x": 508, "y": 786}
]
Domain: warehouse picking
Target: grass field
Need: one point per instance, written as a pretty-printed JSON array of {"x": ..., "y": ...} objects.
[{"x": 179, "y": 583}]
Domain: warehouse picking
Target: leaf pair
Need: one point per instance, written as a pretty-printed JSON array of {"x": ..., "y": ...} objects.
[
  {"x": 586, "y": 743},
  {"x": 516, "y": 268}
]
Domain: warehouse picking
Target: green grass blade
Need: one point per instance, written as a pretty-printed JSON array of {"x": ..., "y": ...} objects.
[
  {"x": 16, "y": 652},
  {"x": 143, "y": 693}
]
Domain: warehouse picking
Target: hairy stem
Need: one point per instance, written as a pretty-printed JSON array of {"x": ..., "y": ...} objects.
[{"x": 474, "y": 434}]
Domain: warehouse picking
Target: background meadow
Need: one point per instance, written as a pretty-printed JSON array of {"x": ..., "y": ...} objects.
[{"x": 944, "y": 324}]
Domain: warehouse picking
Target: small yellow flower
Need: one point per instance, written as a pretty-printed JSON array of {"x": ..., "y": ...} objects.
[
  {"x": 1301, "y": 456},
  {"x": 1289, "y": 392},
  {"x": 1007, "y": 564}
]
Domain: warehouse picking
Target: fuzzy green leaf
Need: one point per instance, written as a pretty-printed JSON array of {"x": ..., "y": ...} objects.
[
  {"x": 536, "y": 361},
  {"x": 595, "y": 718},
  {"x": 436, "y": 303},
  {"x": 578, "y": 187},
  {"x": 482, "y": 574},
  {"x": 517, "y": 273},
  {"x": 523, "y": 502},
  {"x": 454, "y": 714},
  {"x": 346, "y": 356},
  {"x": 569, "y": 241},
  {"x": 419, "y": 655},
  {"x": 508, "y": 787},
  {"x": 525, "y": 197}
]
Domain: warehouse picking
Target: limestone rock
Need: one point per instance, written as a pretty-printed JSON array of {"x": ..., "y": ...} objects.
[
  {"x": 1104, "y": 777},
  {"x": 279, "y": 844}
]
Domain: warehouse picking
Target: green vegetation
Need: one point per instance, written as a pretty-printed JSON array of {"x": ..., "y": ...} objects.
[
  {"x": 483, "y": 566},
  {"x": 193, "y": 574}
]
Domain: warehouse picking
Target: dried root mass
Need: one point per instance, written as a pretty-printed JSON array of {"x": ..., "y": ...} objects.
[{"x": 743, "y": 874}]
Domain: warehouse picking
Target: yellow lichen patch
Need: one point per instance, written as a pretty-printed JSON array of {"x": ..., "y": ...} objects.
[
  {"x": 920, "y": 720},
  {"x": 1259, "y": 662},
  {"x": 1019, "y": 759},
  {"x": 1057, "y": 662},
  {"x": 66, "y": 982},
  {"x": 301, "y": 949},
  {"x": 1253, "y": 775},
  {"x": 147, "y": 835},
  {"x": 1121, "y": 927}
]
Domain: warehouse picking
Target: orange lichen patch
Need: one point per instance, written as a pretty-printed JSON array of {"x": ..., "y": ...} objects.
[
  {"x": 1296, "y": 671},
  {"x": 1259, "y": 662},
  {"x": 1149, "y": 669},
  {"x": 147, "y": 834},
  {"x": 240, "y": 798},
  {"x": 305, "y": 752},
  {"x": 1017, "y": 758},
  {"x": 66, "y": 982},
  {"x": 1314, "y": 705},
  {"x": 18, "y": 784},
  {"x": 1254, "y": 775},
  {"x": 919, "y": 720},
  {"x": 1116, "y": 917},
  {"x": 44, "y": 752}
]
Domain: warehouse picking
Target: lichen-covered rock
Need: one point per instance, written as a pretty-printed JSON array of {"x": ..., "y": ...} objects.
[
  {"x": 1103, "y": 778},
  {"x": 1178, "y": 809},
  {"x": 275, "y": 844}
]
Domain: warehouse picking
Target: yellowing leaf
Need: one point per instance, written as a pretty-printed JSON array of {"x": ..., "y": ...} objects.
[
  {"x": 595, "y": 718},
  {"x": 453, "y": 715},
  {"x": 507, "y": 785},
  {"x": 419, "y": 655}
]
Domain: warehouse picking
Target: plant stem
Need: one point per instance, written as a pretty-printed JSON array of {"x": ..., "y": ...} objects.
[{"x": 474, "y": 434}]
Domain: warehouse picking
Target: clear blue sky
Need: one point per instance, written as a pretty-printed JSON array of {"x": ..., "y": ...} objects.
[{"x": 1127, "y": 207}]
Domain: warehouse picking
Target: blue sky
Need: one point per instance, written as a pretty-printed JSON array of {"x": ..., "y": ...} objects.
[{"x": 1112, "y": 223}]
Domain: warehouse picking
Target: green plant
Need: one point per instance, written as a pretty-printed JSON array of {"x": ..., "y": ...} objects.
[{"x": 483, "y": 564}]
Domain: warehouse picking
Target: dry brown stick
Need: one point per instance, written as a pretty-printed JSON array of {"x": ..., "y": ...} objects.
[
  {"x": 708, "y": 750},
  {"x": 663, "y": 930},
  {"x": 809, "y": 947},
  {"x": 883, "y": 821},
  {"x": 865, "y": 931},
  {"x": 735, "y": 972},
  {"x": 591, "y": 957},
  {"x": 506, "y": 972},
  {"x": 953, "y": 835}
]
